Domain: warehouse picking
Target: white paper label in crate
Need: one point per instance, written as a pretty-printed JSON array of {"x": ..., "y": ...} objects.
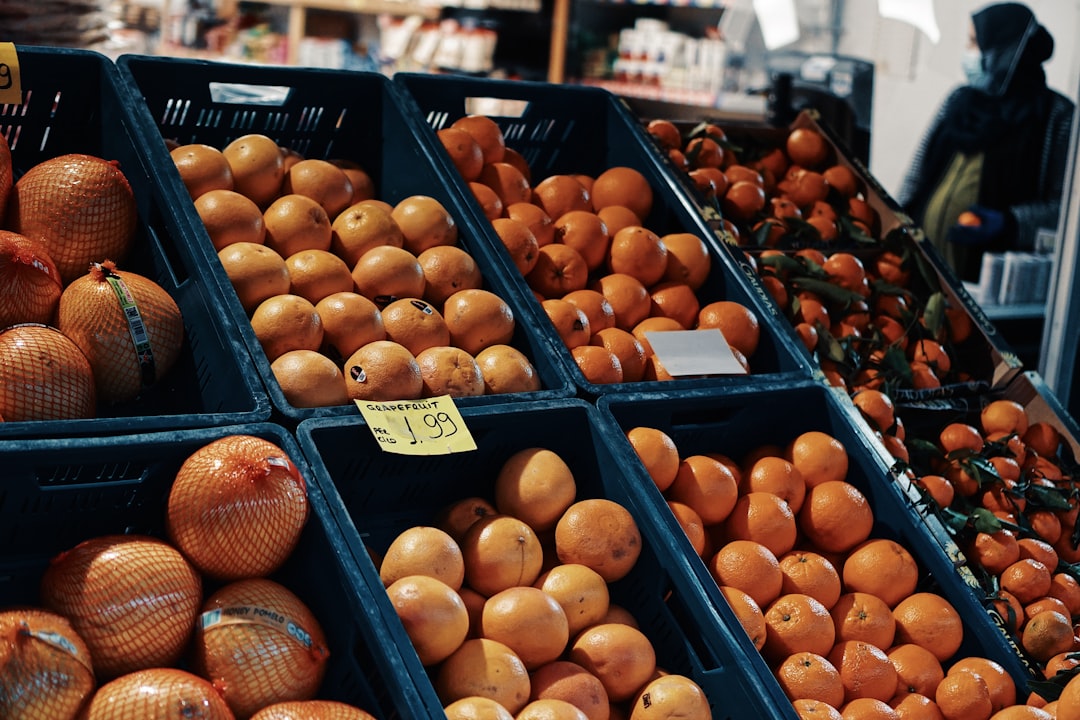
[
  {"x": 694, "y": 352},
  {"x": 244, "y": 94}
]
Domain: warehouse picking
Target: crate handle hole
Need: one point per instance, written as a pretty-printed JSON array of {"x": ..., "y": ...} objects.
[
  {"x": 496, "y": 107},
  {"x": 249, "y": 94}
]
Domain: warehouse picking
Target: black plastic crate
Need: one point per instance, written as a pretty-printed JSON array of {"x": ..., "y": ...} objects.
[
  {"x": 562, "y": 129},
  {"x": 57, "y": 493},
  {"x": 322, "y": 114},
  {"x": 74, "y": 102},
  {"x": 736, "y": 422},
  {"x": 383, "y": 494}
]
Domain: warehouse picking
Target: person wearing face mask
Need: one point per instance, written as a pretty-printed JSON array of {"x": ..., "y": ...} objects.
[{"x": 997, "y": 148}]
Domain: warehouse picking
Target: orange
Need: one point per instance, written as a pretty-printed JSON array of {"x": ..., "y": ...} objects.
[
  {"x": 580, "y": 591},
  {"x": 750, "y": 567},
  {"x": 815, "y": 710},
  {"x": 595, "y": 306},
  {"x": 808, "y": 334},
  {"x": 314, "y": 274},
  {"x": 286, "y": 322},
  {"x": 1004, "y": 416},
  {"x": 570, "y": 322},
  {"x": 881, "y": 567},
  {"x": 617, "y": 217},
  {"x": 747, "y": 612},
  {"x": 811, "y": 574},
  {"x": 507, "y": 181},
  {"x": 488, "y": 199},
  {"x": 623, "y": 186},
  {"x": 704, "y": 152},
  {"x": 765, "y": 518},
  {"x": 202, "y": 168},
  {"x": 515, "y": 158},
  {"x": 665, "y": 132},
  {"x": 1027, "y": 579},
  {"x": 507, "y": 370},
  {"x": 362, "y": 184},
  {"x": 917, "y": 670},
  {"x": 478, "y": 319},
  {"x": 1060, "y": 662},
  {"x": 536, "y": 486},
  {"x": 803, "y": 187},
  {"x": 868, "y": 709},
  {"x": 486, "y": 668},
  {"x": 432, "y": 613},
  {"x": 843, "y": 179},
  {"x": 743, "y": 201},
  {"x": 638, "y": 252},
  {"x": 736, "y": 173},
  {"x": 559, "y": 194},
  {"x": 447, "y": 269},
  {"x": 309, "y": 379},
  {"x": 600, "y": 534},
  {"x": 383, "y": 370},
  {"x": 551, "y": 709},
  {"x": 819, "y": 457},
  {"x": 255, "y": 271},
  {"x": 294, "y": 223},
  {"x": 933, "y": 354},
  {"x": 1065, "y": 588},
  {"x": 322, "y": 181},
  {"x": 349, "y": 321},
  {"x": 584, "y": 231},
  {"x": 424, "y": 223},
  {"x": 1043, "y": 438},
  {"x": 675, "y": 300},
  {"x": 257, "y": 166},
  {"x": 386, "y": 273},
  {"x": 361, "y": 227},
  {"x": 475, "y": 707},
  {"x": 621, "y": 657},
  {"x": 459, "y": 515},
  {"x": 568, "y": 681},
  {"x": 688, "y": 259},
  {"x": 528, "y": 621},
  {"x": 598, "y": 365},
  {"x": 519, "y": 242},
  {"x": 657, "y": 452},
  {"x": 864, "y": 669},
  {"x": 929, "y": 620},
  {"x": 707, "y": 486},
  {"x": 862, "y": 616},
  {"x": 1047, "y": 634},
  {"x": 500, "y": 551},
  {"x": 810, "y": 676},
  {"x": 624, "y": 346},
  {"x": 559, "y": 269},
  {"x": 463, "y": 150},
  {"x": 939, "y": 489},
  {"x": 738, "y": 323},
  {"x": 487, "y": 134},
  {"x": 533, "y": 216},
  {"x": 995, "y": 551},
  {"x": 797, "y": 623},
  {"x": 836, "y": 516},
  {"x": 1042, "y": 604},
  {"x": 807, "y": 147},
  {"x": 668, "y": 696},
  {"x": 845, "y": 270},
  {"x": 1069, "y": 701},
  {"x": 628, "y": 297},
  {"x": 230, "y": 217},
  {"x": 777, "y": 476},
  {"x": 964, "y": 696},
  {"x": 1000, "y": 684},
  {"x": 1009, "y": 609},
  {"x": 916, "y": 707},
  {"x": 876, "y": 407},
  {"x": 451, "y": 371},
  {"x": 414, "y": 324},
  {"x": 1022, "y": 712}
]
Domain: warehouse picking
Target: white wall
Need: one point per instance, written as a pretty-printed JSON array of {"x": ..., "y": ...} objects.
[{"x": 913, "y": 75}]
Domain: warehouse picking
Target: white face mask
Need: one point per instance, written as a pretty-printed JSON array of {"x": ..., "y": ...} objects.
[{"x": 972, "y": 63}]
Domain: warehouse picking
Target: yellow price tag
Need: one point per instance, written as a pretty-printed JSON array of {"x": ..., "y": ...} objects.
[
  {"x": 10, "y": 80},
  {"x": 432, "y": 426}
]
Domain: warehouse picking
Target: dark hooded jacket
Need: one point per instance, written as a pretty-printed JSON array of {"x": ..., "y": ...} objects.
[{"x": 1020, "y": 126}]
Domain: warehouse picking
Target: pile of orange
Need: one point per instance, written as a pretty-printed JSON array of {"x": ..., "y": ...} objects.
[
  {"x": 506, "y": 601},
  {"x": 602, "y": 277},
  {"x": 350, "y": 297},
  {"x": 842, "y": 617}
]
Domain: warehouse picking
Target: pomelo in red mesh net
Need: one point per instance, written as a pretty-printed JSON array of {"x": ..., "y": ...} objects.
[
  {"x": 133, "y": 599},
  {"x": 312, "y": 710},
  {"x": 92, "y": 314},
  {"x": 259, "y": 644},
  {"x": 80, "y": 206},
  {"x": 29, "y": 281},
  {"x": 46, "y": 667},
  {"x": 158, "y": 694},
  {"x": 6, "y": 173},
  {"x": 237, "y": 507},
  {"x": 43, "y": 376}
]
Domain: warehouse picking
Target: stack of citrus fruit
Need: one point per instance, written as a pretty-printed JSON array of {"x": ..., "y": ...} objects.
[
  {"x": 506, "y": 601},
  {"x": 602, "y": 277},
  {"x": 124, "y": 629},
  {"x": 350, "y": 297},
  {"x": 843, "y": 617},
  {"x": 68, "y": 343}
]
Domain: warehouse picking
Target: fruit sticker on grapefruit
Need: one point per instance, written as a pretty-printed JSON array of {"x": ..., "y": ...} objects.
[{"x": 431, "y": 426}]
